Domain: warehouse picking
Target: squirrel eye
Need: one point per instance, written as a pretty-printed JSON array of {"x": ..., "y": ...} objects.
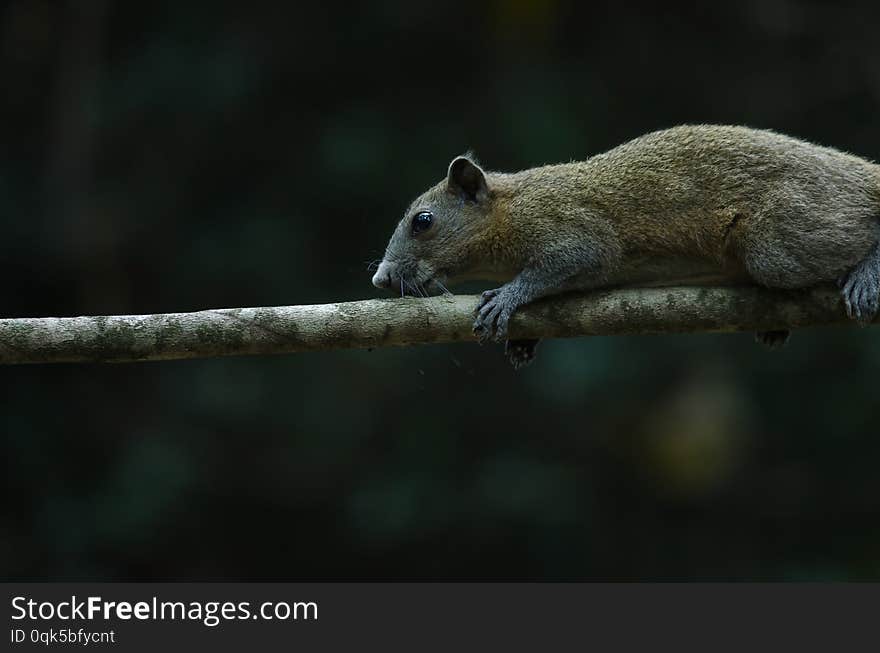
[{"x": 422, "y": 222}]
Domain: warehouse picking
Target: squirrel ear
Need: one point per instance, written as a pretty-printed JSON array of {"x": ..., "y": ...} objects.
[{"x": 467, "y": 179}]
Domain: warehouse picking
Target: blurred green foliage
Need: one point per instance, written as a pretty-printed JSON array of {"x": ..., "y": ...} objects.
[{"x": 172, "y": 156}]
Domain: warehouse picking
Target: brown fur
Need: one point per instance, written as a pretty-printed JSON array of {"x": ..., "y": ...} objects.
[{"x": 729, "y": 196}]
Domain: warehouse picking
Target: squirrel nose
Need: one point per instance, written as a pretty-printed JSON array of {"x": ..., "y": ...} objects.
[{"x": 382, "y": 278}]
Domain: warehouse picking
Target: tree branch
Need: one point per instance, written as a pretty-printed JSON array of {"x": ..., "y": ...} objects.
[{"x": 408, "y": 321}]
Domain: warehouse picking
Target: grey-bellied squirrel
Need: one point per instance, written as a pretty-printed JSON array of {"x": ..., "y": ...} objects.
[{"x": 700, "y": 204}]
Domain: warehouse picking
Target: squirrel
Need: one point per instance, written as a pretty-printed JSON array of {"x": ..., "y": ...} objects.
[{"x": 698, "y": 204}]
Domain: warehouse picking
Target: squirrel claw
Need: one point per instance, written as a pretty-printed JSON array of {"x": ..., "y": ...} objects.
[
  {"x": 482, "y": 333},
  {"x": 861, "y": 291},
  {"x": 493, "y": 313}
]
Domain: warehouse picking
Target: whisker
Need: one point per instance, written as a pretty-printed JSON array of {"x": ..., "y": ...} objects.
[
  {"x": 412, "y": 286},
  {"x": 402, "y": 294},
  {"x": 445, "y": 290},
  {"x": 447, "y": 294}
]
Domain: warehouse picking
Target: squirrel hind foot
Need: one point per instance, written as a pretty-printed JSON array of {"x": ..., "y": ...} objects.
[
  {"x": 773, "y": 339},
  {"x": 860, "y": 288},
  {"x": 520, "y": 352}
]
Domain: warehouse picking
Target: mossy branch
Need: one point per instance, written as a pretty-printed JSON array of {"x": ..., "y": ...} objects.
[{"x": 408, "y": 321}]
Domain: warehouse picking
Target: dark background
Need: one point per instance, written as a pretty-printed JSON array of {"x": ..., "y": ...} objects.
[{"x": 171, "y": 156}]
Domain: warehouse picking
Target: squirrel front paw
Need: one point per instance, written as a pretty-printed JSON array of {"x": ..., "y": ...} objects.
[{"x": 493, "y": 314}]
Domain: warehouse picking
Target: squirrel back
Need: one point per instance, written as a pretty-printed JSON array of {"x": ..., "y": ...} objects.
[{"x": 709, "y": 193}]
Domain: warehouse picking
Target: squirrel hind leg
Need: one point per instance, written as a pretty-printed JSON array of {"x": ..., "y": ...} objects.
[
  {"x": 520, "y": 352},
  {"x": 860, "y": 287},
  {"x": 773, "y": 339}
]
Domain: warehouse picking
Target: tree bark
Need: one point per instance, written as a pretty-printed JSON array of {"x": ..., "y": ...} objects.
[{"x": 407, "y": 321}]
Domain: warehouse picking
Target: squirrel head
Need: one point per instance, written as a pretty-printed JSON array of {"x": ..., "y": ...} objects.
[{"x": 437, "y": 238}]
